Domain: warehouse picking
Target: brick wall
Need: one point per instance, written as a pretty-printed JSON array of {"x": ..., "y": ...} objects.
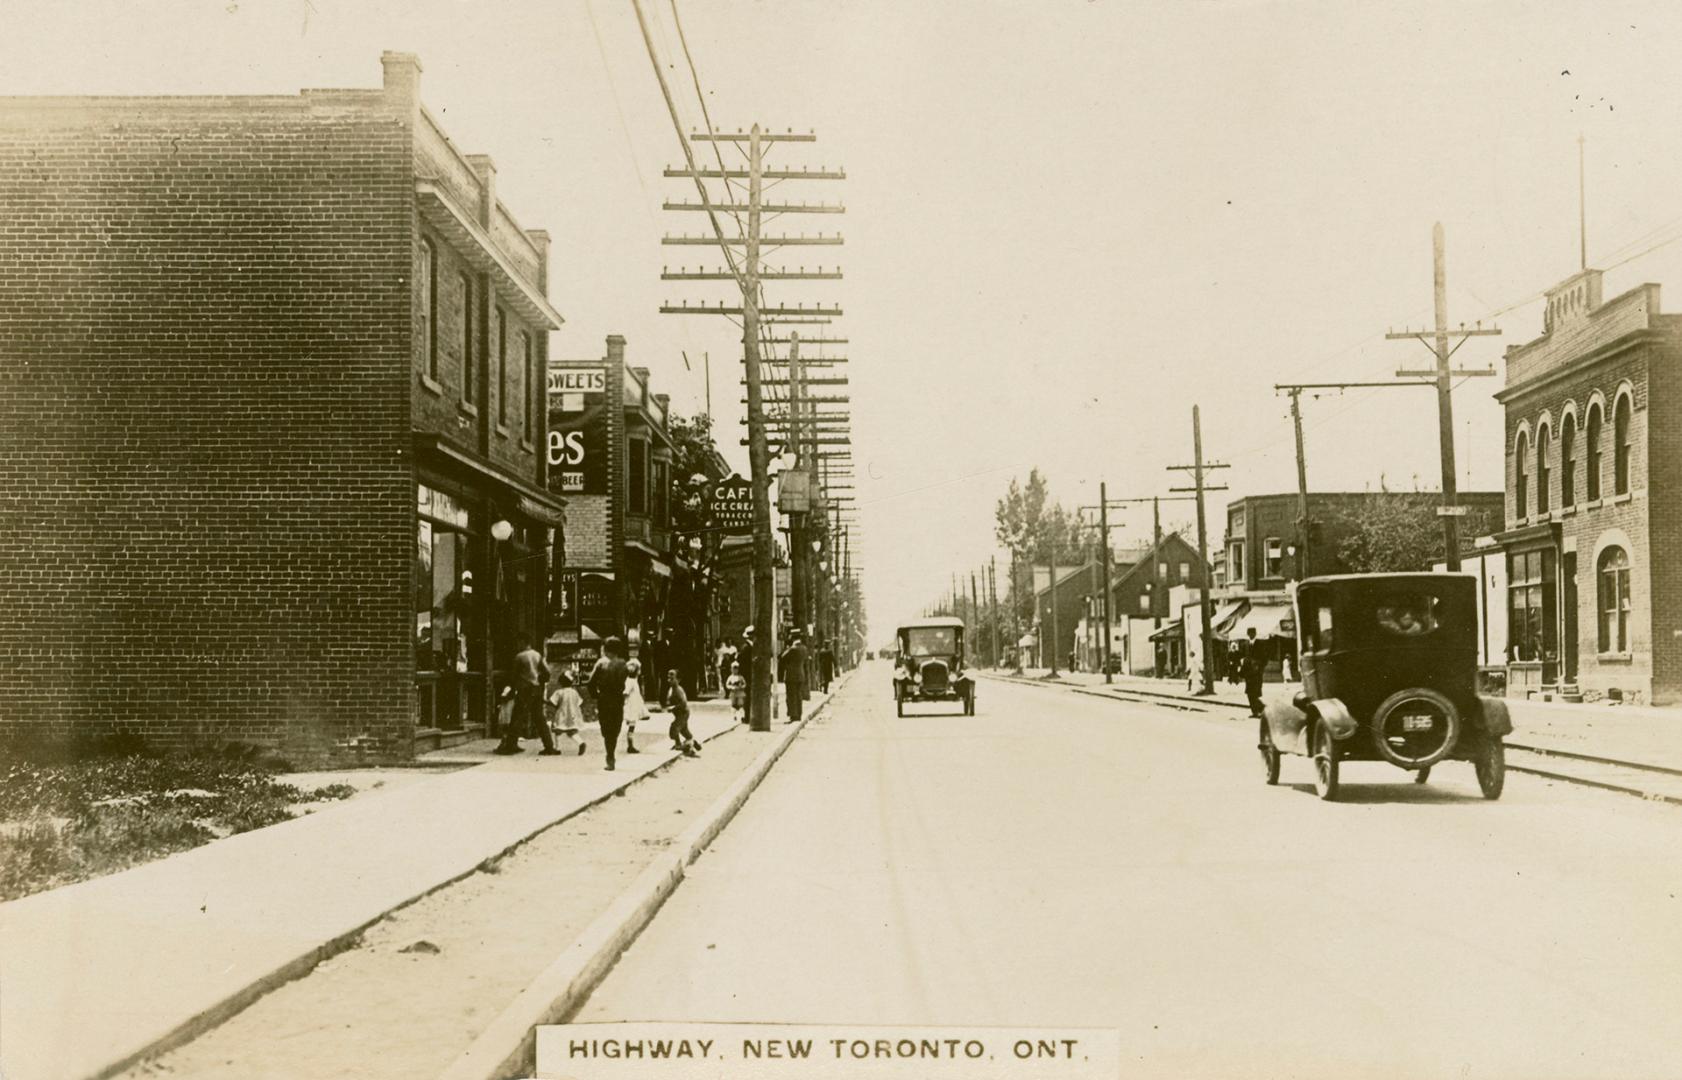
[
  {"x": 205, "y": 486},
  {"x": 1586, "y": 527},
  {"x": 1664, "y": 520}
]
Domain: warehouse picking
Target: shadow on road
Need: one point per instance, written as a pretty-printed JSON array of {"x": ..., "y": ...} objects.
[{"x": 1369, "y": 794}]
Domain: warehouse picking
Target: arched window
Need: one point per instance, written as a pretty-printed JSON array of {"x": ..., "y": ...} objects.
[
  {"x": 1620, "y": 445},
  {"x": 1568, "y": 460},
  {"x": 1521, "y": 482},
  {"x": 1542, "y": 471},
  {"x": 1591, "y": 455},
  {"x": 1613, "y": 603}
]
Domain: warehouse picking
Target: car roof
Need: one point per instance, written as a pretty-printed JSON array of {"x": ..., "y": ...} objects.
[{"x": 932, "y": 621}]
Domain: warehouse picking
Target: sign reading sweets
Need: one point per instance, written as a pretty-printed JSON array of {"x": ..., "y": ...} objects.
[
  {"x": 730, "y": 506},
  {"x": 830, "y": 1052},
  {"x": 578, "y": 430}
]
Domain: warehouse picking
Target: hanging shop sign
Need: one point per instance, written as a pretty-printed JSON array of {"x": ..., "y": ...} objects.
[{"x": 730, "y": 506}]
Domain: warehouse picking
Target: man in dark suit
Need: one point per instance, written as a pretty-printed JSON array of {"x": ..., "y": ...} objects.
[
  {"x": 745, "y": 657},
  {"x": 792, "y": 667},
  {"x": 1251, "y": 665}
]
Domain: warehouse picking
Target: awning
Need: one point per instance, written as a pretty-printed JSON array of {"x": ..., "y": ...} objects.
[
  {"x": 1269, "y": 620},
  {"x": 530, "y": 498},
  {"x": 1225, "y": 614},
  {"x": 1174, "y": 629},
  {"x": 541, "y": 513}
]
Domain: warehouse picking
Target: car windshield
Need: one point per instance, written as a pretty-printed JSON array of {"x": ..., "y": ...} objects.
[{"x": 931, "y": 640}]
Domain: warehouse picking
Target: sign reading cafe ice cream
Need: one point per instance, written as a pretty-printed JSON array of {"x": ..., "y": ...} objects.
[
  {"x": 730, "y": 506},
  {"x": 578, "y": 430}
]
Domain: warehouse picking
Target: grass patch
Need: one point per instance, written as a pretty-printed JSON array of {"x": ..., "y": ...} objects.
[{"x": 62, "y": 822}]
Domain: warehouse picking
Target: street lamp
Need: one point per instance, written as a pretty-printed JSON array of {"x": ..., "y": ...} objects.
[{"x": 502, "y": 530}]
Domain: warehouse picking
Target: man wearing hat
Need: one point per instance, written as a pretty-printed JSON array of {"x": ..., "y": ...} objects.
[
  {"x": 744, "y": 657},
  {"x": 792, "y": 667}
]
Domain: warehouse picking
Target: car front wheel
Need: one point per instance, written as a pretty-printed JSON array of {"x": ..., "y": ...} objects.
[
  {"x": 1491, "y": 766},
  {"x": 1325, "y": 763}
]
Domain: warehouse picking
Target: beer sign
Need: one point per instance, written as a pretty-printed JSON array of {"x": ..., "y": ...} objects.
[{"x": 577, "y": 442}]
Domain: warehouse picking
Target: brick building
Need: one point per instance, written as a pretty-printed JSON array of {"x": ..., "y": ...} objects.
[
  {"x": 1594, "y": 492},
  {"x": 271, "y": 425},
  {"x": 611, "y": 456}
]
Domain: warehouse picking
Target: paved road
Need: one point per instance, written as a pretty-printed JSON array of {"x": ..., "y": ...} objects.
[{"x": 1064, "y": 861}]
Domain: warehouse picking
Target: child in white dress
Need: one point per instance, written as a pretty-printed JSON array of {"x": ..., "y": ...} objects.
[
  {"x": 566, "y": 710},
  {"x": 635, "y": 707}
]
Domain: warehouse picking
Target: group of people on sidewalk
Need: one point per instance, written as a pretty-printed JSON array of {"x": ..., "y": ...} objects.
[{"x": 615, "y": 687}]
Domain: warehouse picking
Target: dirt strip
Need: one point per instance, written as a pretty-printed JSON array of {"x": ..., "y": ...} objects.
[{"x": 424, "y": 982}]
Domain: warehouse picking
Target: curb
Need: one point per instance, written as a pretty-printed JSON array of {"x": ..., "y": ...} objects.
[
  {"x": 300, "y": 966},
  {"x": 507, "y": 1046}
]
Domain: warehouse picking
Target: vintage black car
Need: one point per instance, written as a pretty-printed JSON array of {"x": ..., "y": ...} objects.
[
  {"x": 931, "y": 664},
  {"x": 1389, "y": 673}
]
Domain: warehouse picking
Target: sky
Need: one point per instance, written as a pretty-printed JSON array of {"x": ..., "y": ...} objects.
[{"x": 1068, "y": 222}]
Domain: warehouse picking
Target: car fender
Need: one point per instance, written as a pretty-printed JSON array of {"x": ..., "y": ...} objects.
[
  {"x": 1334, "y": 715},
  {"x": 1494, "y": 716},
  {"x": 1285, "y": 725}
]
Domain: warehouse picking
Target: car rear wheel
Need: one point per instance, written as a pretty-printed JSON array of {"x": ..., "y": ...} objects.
[
  {"x": 1422, "y": 775},
  {"x": 1269, "y": 755},
  {"x": 1491, "y": 766},
  {"x": 1325, "y": 763}
]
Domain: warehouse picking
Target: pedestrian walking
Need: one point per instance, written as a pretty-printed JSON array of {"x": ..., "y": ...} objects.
[
  {"x": 724, "y": 660},
  {"x": 531, "y": 674},
  {"x": 791, "y": 665},
  {"x": 826, "y": 667},
  {"x": 568, "y": 709},
  {"x": 636, "y": 709},
  {"x": 1251, "y": 666},
  {"x": 678, "y": 702},
  {"x": 607, "y": 686},
  {"x": 738, "y": 690}
]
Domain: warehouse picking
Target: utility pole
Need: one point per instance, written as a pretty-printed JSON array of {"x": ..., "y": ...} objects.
[
  {"x": 1450, "y": 510},
  {"x": 974, "y": 606},
  {"x": 1206, "y": 604},
  {"x": 993, "y": 605},
  {"x": 1302, "y": 487},
  {"x": 1104, "y": 570},
  {"x": 796, "y": 447}
]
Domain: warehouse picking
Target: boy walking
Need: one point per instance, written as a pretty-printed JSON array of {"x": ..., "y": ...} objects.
[{"x": 678, "y": 702}]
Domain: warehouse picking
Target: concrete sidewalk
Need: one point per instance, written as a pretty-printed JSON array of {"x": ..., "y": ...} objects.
[
  {"x": 1638, "y": 735},
  {"x": 97, "y": 974}
]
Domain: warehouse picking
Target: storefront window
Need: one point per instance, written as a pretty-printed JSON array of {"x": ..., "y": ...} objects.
[
  {"x": 1614, "y": 600},
  {"x": 443, "y": 582},
  {"x": 1530, "y": 630}
]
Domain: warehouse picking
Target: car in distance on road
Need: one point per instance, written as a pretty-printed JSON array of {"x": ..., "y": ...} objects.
[
  {"x": 931, "y": 664},
  {"x": 1389, "y": 673}
]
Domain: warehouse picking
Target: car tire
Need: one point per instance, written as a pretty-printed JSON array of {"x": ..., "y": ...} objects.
[
  {"x": 1451, "y": 717},
  {"x": 899, "y": 705},
  {"x": 1326, "y": 757},
  {"x": 1491, "y": 766},
  {"x": 969, "y": 703},
  {"x": 1269, "y": 755},
  {"x": 1422, "y": 775}
]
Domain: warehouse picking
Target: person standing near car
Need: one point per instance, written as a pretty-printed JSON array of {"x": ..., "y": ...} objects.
[{"x": 1251, "y": 666}]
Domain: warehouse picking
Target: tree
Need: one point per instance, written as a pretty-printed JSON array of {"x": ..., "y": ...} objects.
[{"x": 1398, "y": 532}]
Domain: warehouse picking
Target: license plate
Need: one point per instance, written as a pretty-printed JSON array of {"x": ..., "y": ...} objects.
[{"x": 1417, "y": 723}]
